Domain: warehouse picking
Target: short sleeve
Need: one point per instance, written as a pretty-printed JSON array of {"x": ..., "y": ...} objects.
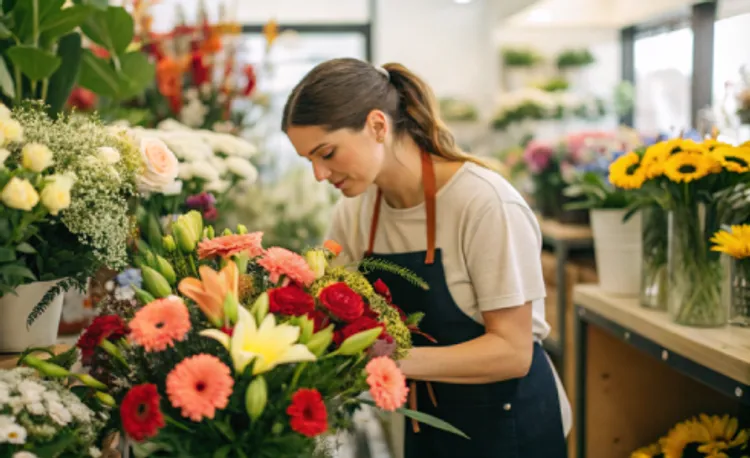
[
  {"x": 340, "y": 231},
  {"x": 502, "y": 247}
]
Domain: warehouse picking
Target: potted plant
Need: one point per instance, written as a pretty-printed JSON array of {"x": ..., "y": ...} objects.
[{"x": 66, "y": 187}]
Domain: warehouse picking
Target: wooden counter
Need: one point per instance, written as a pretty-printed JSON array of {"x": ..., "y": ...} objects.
[{"x": 638, "y": 373}]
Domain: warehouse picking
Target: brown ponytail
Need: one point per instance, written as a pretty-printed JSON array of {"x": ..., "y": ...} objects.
[{"x": 341, "y": 93}]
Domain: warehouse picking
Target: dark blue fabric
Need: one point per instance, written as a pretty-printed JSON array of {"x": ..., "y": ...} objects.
[{"x": 517, "y": 418}]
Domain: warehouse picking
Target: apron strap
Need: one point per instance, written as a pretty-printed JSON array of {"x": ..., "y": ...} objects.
[{"x": 430, "y": 191}]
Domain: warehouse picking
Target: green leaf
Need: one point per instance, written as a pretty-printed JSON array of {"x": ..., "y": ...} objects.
[
  {"x": 427, "y": 420},
  {"x": 98, "y": 4},
  {"x": 137, "y": 73},
  {"x": 4, "y": 31},
  {"x": 35, "y": 63},
  {"x": 61, "y": 84},
  {"x": 223, "y": 452},
  {"x": 63, "y": 22},
  {"x": 112, "y": 29},
  {"x": 23, "y": 13},
  {"x": 52, "y": 449},
  {"x": 13, "y": 270},
  {"x": 25, "y": 248},
  {"x": 6, "y": 81},
  {"x": 7, "y": 254},
  {"x": 98, "y": 76}
]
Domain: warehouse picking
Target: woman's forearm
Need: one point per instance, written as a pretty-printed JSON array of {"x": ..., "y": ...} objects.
[{"x": 486, "y": 359}]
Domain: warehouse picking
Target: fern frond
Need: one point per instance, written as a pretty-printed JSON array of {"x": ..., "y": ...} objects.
[
  {"x": 61, "y": 287},
  {"x": 368, "y": 265}
]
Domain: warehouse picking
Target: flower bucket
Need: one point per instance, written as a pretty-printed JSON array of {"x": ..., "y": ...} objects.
[
  {"x": 618, "y": 252},
  {"x": 15, "y": 336}
]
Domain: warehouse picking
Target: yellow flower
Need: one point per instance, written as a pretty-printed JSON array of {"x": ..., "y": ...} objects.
[
  {"x": 626, "y": 172},
  {"x": 56, "y": 194},
  {"x": 683, "y": 434},
  {"x": 36, "y": 157},
  {"x": 735, "y": 243},
  {"x": 725, "y": 434},
  {"x": 733, "y": 159},
  {"x": 11, "y": 130},
  {"x": 316, "y": 259},
  {"x": 686, "y": 167},
  {"x": 19, "y": 194},
  {"x": 647, "y": 452},
  {"x": 268, "y": 345},
  {"x": 712, "y": 144},
  {"x": 655, "y": 157}
]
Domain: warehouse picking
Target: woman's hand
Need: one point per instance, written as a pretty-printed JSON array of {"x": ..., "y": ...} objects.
[{"x": 504, "y": 352}]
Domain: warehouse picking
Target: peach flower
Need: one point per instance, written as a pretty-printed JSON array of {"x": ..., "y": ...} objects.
[
  {"x": 160, "y": 323},
  {"x": 387, "y": 383},
  {"x": 229, "y": 245},
  {"x": 211, "y": 290},
  {"x": 199, "y": 385},
  {"x": 161, "y": 166}
]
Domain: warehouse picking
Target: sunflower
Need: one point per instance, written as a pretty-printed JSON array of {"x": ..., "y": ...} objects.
[
  {"x": 647, "y": 452},
  {"x": 657, "y": 155},
  {"x": 733, "y": 159},
  {"x": 683, "y": 434},
  {"x": 725, "y": 435},
  {"x": 626, "y": 172},
  {"x": 685, "y": 167},
  {"x": 712, "y": 144},
  {"x": 735, "y": 242}
]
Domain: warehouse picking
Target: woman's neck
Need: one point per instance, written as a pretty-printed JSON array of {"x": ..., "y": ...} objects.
[{"x": 401, "y": 176}]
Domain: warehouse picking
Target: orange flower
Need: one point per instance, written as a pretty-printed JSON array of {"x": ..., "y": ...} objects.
[
  {"x": 169, "y": 76},
  {"x": 332, "y": 246},
  {"x": 229, "y": 245},
  {"x": 199, "y": 385},
  {"x": 387, "y": 383},
  {"x": 160, "y": 323},
  {"x": 212, "y": 291}
]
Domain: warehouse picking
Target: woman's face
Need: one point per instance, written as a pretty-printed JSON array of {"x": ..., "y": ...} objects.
[{"x": 349, "y": 160}]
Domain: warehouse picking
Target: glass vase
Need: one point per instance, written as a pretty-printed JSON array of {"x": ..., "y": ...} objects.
[
  {"x": 695, "y": 272},
  {"x": 737, "y": 292},
  {"x": 654, "y": 278}
]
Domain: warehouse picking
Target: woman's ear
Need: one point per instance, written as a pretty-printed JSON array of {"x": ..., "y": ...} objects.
[{"x": 377, "y": 125}]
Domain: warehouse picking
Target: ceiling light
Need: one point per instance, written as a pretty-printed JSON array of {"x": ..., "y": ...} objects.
[{"x": 462, "y": 2}]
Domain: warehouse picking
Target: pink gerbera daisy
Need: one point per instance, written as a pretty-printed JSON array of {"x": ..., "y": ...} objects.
[
  {"x": 160, "y": 323},
  {"x": 199, "y": 385},
  {"x": 387, "y": 383},
  {"x": 280, "y": 261},
  {"x": 229, "y": 245}
]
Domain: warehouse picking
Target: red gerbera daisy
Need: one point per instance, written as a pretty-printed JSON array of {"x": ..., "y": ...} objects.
[
  {"x": 110, "y": 327},
  {"x": 140, "y": 413},
  {"x": 308, "y": 413}
]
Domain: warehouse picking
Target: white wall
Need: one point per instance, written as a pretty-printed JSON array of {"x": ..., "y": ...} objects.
[{"x": 448, "y": 44}]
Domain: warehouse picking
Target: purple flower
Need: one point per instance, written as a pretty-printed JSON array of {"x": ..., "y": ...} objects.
[
  {"x": 538, "y": 155},
  {"x": 201, "y": 201}
]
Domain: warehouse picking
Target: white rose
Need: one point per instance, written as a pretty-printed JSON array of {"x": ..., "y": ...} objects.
[
  {"x": 4, "y": 154},
  {"x": 36, "y": 157},
  {"x": 109, "y": 155},
  {"x": 242, "y": 168},
  {"x": 161, "y": 165},
  {"x": 56, "y": 195}
]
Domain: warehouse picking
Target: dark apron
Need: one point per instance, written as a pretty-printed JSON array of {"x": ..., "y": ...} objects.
[{"x": 517, "y": 418}]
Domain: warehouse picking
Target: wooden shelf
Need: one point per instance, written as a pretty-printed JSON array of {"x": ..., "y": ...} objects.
[
  {"x": 9, "y": 361},
  {"x": 724, "y": 350}
]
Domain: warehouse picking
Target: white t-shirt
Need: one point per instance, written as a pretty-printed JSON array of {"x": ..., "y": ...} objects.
[{"x": 489, "y": 237}]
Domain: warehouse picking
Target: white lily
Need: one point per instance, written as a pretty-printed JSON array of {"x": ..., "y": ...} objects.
[{"x": 269, "y": 344}]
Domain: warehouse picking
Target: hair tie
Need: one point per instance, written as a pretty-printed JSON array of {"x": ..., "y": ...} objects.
[{"x": 384, "y": 72}]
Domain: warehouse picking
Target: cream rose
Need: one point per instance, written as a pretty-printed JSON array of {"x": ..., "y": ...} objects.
[
  {"x": 36, "y": 157},
  {"x": 161, "y": 166},
  {"x": 19, "y": 194},
  {"x": 109, "y": 155},
  {"x": 4, "y": 154},
  {"x": 12, "y": 130},
  {"x": 5, "y": 112},
  {"x": 56, "y": 194}
]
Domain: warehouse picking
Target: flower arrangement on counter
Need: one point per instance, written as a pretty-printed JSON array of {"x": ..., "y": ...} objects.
[
  {"x": 44, "y": 418},
  {"x": 66, "y": 186},
  {"x": 693, "y": 182},
  {"x": 702, "y": 437},
  {"x": 234, "y": 348}
]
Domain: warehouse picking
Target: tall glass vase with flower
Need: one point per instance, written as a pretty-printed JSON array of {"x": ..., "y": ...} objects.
[{"x": 734, "y": 242}]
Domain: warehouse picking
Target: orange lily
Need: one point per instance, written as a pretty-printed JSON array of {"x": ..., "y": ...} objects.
[{"x": 212, "y": 290}]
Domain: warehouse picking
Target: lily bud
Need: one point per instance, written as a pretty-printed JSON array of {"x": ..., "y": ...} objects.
[
  {"x": 166, "y": 269},
  {"x": 316, "y": 259},
  {"x": 209, "y": 232},
  {"x": 256, "y": 397},
  {"x": 155, "y": 283},
  {"x": 320, "y": 341},
  {"x": 260, "y": 308},
  {"x": 306, "y": 326},
  {"x": 105, "y": 399},
  {"x": 241, "y": 229},
  {"x": 359, "y": 342},
  {"x": 169, "y": 244},
  {"x": 90, "y": 381},
  {"x": 185, "y": 240},
  {"x": 226, "y": 232},
  {"x": 48, "y": 369},
  {"x": 231, "y": 308},
  {"x": 143, "y": 297}
]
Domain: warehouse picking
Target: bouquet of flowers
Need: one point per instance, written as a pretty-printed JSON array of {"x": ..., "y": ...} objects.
[
  {"x": 65, "y": 191},
  {"x": 239, "y": 350},
  {"x": 44, "y": 418},
  {"x": 691, "y": 181},
  {"x": 702, "y": 437}
]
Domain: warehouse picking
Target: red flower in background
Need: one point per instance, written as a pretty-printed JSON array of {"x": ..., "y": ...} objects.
[
  {"x": 110, "y": 327},
  {"x": 320, "y": 319},
  {"x": 290, "y": 300},
  {"x": 342, "y": 301},
  {"x": 252, "y": 80},
  {"x": 362, "y": 323},
  {"x": 307, "y": 412},
  {"x": 82, "y": 99},
  {"x": 140, "y": 413},
  {"x": 382, "y": 289}
]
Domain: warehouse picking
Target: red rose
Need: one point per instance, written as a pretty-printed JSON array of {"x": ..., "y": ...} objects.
[
  {"x": 342, "y": 301},
  {"x": 307, "y": 412},
  {"x": 290, "y": 300},
  {"x": 362, "y": 323},
  {"x": 320, "y": 319},
  {"x": 140, "y": 413},
  {"x": 382, "y": 289},
  {"x": 110, "y": 327}
]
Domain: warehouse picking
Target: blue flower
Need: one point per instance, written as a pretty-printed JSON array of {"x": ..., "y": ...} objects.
[{"x": 130, "y": 277}]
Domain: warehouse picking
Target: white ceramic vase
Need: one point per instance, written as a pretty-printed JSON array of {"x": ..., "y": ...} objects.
[
  {"x": 15, "y": 336},
  {"x": 618, "y": 251}
]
